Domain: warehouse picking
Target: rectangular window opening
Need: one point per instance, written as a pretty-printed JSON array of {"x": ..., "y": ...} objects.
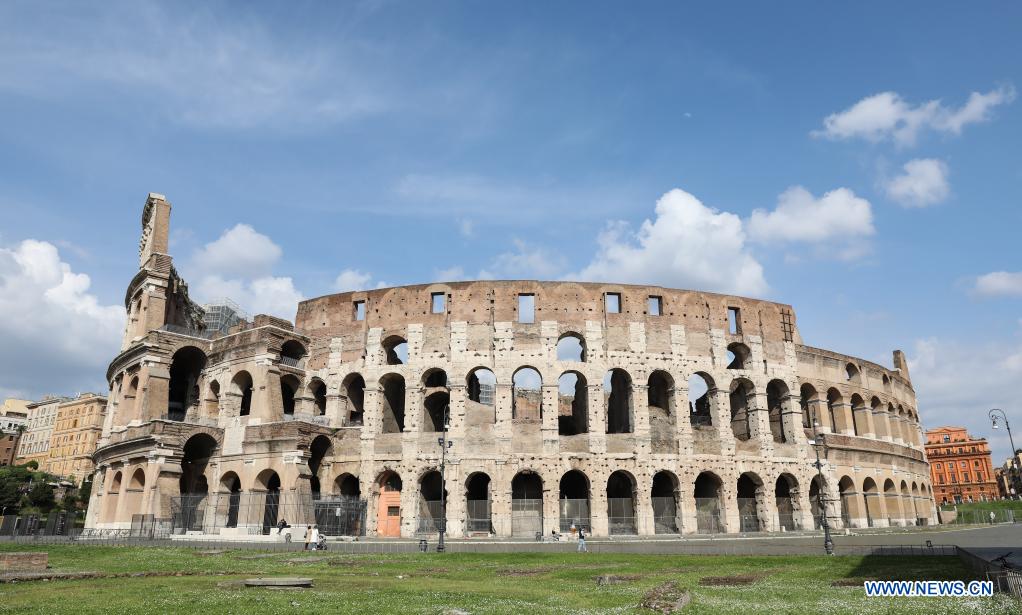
[
  {"x": 439, "y": 303},
  {"x": 613, "y": 303},
  {"x": 360, "y": 310},
  {"x": 656, "y": 305},
  {"x": 734, "y": 320},
  {"x": 526, "y": 309}
]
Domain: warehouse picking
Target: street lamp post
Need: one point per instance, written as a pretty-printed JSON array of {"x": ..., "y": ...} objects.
[
  {"x": 1014, "y": 457},
  {"x": 828, "y": 542},
  {"x": 444, "y": 445}
]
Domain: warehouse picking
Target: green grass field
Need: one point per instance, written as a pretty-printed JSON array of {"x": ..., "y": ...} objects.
[{"x": 476, "y": 583}]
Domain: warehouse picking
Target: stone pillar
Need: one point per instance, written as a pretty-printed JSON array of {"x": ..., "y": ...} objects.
[
  {"x": 154, "y": 387},
  {"x": 729, "y": 515},
  {"x": 766, "y": 509},
  {"x": 598, "y": 506},
  {"x": 640, "y": 419},
  {"x": 881, "y": 424},
  {"x": 597, "y": 419},
  {"x": 843, "y": 415},
  {"x": 818, "y": 411},
  {"x": 372, "y": 416},
  {"x": 759, "y": 423},
  {"x": 803, "y": 505},
  {"x": 864, "y": 419},
  {"x": 500, "y": 506},
  {"x": 549, "y": 410},
  {"x": 551, "y": 505},
  {"x": 267, "y": 402},
  {"x": 682, "y": 421},
  {"x": 458, "y": 396},
  {"x": 791, "y": 419},
  {"x": 720, "y": 409},
  {"x": 335, "y": 410},
  {"x": 687, "y": 505},
  {"x": 503, "y": 409},
  {"x": 457, "y": 509},
  {"x": 643, "y": 503}
]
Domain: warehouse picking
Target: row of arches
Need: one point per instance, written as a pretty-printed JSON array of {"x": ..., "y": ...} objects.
[{"x": 885, "y": 504}]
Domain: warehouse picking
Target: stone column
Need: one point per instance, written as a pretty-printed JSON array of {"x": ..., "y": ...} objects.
[
  {"x": 456, "y": 496},
  {"x": 729, "y": 515},
  {"x": 687, "y": 505},
  {"x": 551, "y": 505},
  {"x": 818, "y": 411},
  {"x": 598, "y": 506},
  {"x": 458, "y": 395},
  {"x": 720, "y": 409},
  {"x": 643, "y": 502},
  {"x": 682, "y": 421},
  {"x": 640, "y": 419},
  {"x": 766, "y": 509},
  {"x": 791, "y": 419},
  {"x": 597, "y": 419},
  {"x": 864, "y": 419},
  {"x": 549, "y": 410},
  {"x": 154, "y": 388},
  {"x": 881, "y": 424},
  {"x": 759, "y": 423}
]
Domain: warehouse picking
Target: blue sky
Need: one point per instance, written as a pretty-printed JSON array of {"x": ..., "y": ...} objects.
[{"x": 859, "y": 162}]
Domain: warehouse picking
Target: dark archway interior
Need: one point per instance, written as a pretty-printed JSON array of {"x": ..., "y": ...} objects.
[
  {"x": 707, "y": 486},
  {"x": 478, "y": 379},
  {"x": 526, "y": 487},
  {"x": 348, "y": 486},
  {"x": 430, "y": 486},
  {"x": 319, "y": 449},
  {"x": 574, "y": 486},
  {"x": 619, "y": 403},
  {"x": 619, "y": 486},
  {"x": 572, "y": 405},
  {"x": 185, "y": 368},
  {"x": 436, "y": 378},
  {"x": 746, "y": 486},
  {"x": 197, "y": 451},
  {"x": 292, "y": 350},
  {"x": 288, "y": 387},
  {"x": 478, "y": 487},
  {"x": 393, "y": 404},
  {"x": 658, "y": 393},
  {"x": 319, "y": 397},
  {"x": 663, "y": 485},
  {"x": 783, "y": 488},
  {"x": 396, "y": 349},
  {"x": 436, "y": 410},
  {"x": 355, "y": 391}
]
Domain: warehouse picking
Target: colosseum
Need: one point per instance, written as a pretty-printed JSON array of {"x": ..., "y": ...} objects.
[{"x": 628, "y": 410}]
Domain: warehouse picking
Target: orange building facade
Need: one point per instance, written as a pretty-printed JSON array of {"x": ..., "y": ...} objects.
[{"x": 960, "y": 466}]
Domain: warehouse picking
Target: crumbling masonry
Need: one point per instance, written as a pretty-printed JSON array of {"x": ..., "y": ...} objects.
[{"x": 626, "y": 409}]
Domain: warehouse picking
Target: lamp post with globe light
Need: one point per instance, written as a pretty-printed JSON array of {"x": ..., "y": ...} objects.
[
  {"x": 993, "y": 414},
  {"x": 816, "y": 442}
]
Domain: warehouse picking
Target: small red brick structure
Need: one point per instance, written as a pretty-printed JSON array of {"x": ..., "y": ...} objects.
[{"x": 24, "y": 561}]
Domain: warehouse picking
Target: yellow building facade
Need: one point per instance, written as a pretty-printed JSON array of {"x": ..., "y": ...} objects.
[{"x": 76, "y": 430}]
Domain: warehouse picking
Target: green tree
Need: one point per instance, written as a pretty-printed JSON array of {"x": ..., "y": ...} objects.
[
  {"x": 41, "y": 496},
  {"x": 12, "y": 479}
]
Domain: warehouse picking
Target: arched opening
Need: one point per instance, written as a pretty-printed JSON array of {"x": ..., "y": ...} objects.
[
  {"x": 852, "y": 374},
  {"x": 346, "y": 486},
  {"x": 137, "y": 480},
  {"x": 129, "y": 408},
  {"x": 617, "y": 390},
  {"x": 860, "y": 423},
  {"x": 431, "y": 490},
  {"x": 892, "y": 503},
  {"x": 834, "y": 401},
  {"x": 741, "y": 390},
  {"x": 527, "y": 396},
  {"x": 907, "y": 505},
  {"x": 388, "y": 520},
  {"x": 269, "y": 483},
  {"x": 886, "y": 383},
  {"x": 477, "y": 504},
  {"x": 573, "y": 496},
  {"x": 241, "y": 387},
  {"x": 707, "y": 496},
  {"x": 871, "y": 494},
  {"x": 660, "y": 404},
  {"x": 436, "y": 400},
  {"x": 318, "y": 391},
  {"x": 777, "y": 401},
  {"x": 289, "y": 386},
  {"x": 664, "y": 497},
  {"x": 700, "y": 389},
  {"x": 738, "y": 356},
  {"x": 111, "y": 498},
  {"x": 212, "y": 408},
  {"x": 849, "y": 502},
  {"x": 749, "y": 487},
  {"x": 917, "y": 506},
  {"x": 193, "y": 486},
  {"x": 807, "y": 403},
  {"x": 292, "y": 352},
  {"x": 572, "y": 404},
  {"x": 393, "y": 386},
  {"x": 816, "y": 503},
  {"x": 571, "y": 347},
  {"x": 133, "y": 493},
  {"x": 784, "y": 495},
  {"x": 621, "y": 503},
  {"x": 395, "y": 349},
  {"x": 185, "y": 367},
  {"x": 481, "y": 389},
  {"x": 230, "y": 485},
  {"x": 876, "y": 408},
  {"x": 320, "y": 448},
  {"x": 526, "y": 504},
  {"x": 354, "y": 390}
]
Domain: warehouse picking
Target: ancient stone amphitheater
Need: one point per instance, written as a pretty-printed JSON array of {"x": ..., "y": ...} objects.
[{"x": 624, "y": 409}]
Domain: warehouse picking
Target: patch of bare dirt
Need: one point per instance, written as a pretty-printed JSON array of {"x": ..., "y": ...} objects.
[
  {"x": 666, "y": 598},
  {"x": 737, "y": 579},
  {"x": 523, "y": 572},
  {"x": 615, "y": 579}
]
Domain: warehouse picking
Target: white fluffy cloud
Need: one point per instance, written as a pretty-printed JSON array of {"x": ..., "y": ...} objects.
[
  {"x": 887, "y": 116},
  {"x": 239, "y": 265},
  {"x": 239, "y": 251},
  {"x": 801, "y": 217},
  {"x": 999, "y": 284},
  {"x": 57, "y": 337},
  {"x": 923, "y": 182},
  {"x": 687, "y": 245},
  {"x": 352, "y": 279},
  {"x": 957, "y": 384}
]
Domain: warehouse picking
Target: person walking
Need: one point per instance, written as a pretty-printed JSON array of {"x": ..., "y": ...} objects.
[
  {"x": 308, "y": 536},
  {"x": 582, "y": 540},
  {"x": 992, "y": 517},
  {"x": 315, "y": 537}
]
